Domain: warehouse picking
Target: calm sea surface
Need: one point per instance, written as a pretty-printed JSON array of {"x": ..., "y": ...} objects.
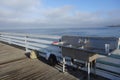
[{"x": 104, "y": 31}]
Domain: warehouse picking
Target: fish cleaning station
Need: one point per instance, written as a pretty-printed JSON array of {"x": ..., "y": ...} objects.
[{"x": 86, "y": 48}]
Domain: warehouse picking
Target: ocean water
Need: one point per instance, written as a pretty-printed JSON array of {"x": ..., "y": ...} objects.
[{"x": 101, "y": 31}]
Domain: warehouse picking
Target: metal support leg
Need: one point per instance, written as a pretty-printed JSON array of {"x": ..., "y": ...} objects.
[
  {"x": 63, "y": 64},
  {"x": 88, "y": 70},
  {"x": 95, "y": 67},
  {"x": 91, "y": 65}
]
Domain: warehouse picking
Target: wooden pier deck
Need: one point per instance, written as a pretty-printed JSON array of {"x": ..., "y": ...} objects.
[{"x": 14, "y": 65}]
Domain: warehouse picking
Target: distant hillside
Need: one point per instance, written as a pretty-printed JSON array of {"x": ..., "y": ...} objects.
[{"x": 114, "y": 26}]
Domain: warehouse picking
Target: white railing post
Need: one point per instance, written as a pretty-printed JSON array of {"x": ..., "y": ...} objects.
[
  {"x": 26, "y": 44},
  {"x": 0, "y": 37},
  {"x": 118, "y": 44},
  {"x": 9, "y": 40},
  {"x": 107, "y": 48}
]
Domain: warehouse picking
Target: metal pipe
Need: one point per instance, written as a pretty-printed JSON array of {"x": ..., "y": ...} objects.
[
  {"x": 88, "y": 70},
  {"x": 63, "y": 64}
]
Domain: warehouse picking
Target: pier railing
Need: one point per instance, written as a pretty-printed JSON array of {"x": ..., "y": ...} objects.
[
  {"x": 30, "y": 41},
  {"x": 108, "y": 67}
]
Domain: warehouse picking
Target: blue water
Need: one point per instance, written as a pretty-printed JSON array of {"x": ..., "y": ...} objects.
[{"x": 103, "y": 31}]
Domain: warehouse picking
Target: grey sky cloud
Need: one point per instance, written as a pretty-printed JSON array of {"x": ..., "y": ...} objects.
[{"x": 32, "y": 14}]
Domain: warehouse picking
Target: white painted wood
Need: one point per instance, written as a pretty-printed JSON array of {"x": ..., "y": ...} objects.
[{"x": 108, "y": 67}]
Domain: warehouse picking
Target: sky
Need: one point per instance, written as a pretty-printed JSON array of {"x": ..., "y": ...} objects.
[{"x": 15, "y": 14}]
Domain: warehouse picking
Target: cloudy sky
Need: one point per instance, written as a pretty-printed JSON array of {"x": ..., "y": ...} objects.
[{"x": 58, "y": 13}]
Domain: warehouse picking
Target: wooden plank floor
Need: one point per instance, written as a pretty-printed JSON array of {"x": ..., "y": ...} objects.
[{"x": 14, "y": 65}]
